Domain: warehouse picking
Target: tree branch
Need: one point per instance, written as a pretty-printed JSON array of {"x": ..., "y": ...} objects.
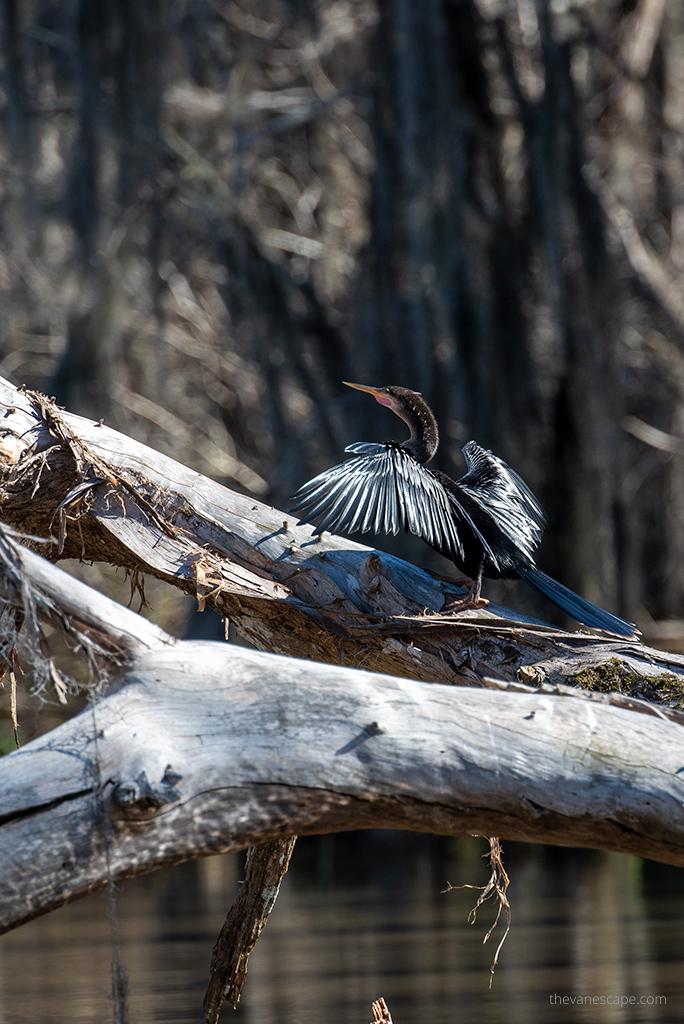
[
  {"x": 265, "y": 869},
  {"x": 201, "y": 748}
]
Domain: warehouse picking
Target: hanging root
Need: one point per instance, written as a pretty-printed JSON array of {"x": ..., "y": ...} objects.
[{"x": 496, "y": 886}]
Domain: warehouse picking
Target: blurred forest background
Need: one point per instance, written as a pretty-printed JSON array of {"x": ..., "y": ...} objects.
[{"x": 213, "y": 212}]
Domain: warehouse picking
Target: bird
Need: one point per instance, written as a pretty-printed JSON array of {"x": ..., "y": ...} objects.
[{"x": 488, "y": 522}]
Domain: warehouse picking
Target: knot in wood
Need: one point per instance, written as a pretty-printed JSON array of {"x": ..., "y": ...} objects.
[
  {"x": 533, "y": 675},
  {"x": 371, "y": 574},
  {"x": 140, "y": 798},
  {"x": 12, "y": 447},
  {"x": 373, "y": 564}
]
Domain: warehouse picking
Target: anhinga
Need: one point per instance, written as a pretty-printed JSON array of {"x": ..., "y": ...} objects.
[{"x": 488, "y": 522}]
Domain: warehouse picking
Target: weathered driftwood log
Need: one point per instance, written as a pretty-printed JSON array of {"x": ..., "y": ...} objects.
[
  {"x": 105, "y": 496},
  {"x": 205, "y": 747}
]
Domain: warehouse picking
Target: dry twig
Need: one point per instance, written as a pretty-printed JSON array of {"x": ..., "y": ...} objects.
[{"x": 381, "y": 1014}]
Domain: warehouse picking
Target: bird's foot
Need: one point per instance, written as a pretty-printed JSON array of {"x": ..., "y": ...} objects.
[
  {"x": 454, "y": 604},
  {"x": 471, "y": 599}
]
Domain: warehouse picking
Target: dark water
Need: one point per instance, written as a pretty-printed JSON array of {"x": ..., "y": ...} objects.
[{"x": 362, "y": 916}]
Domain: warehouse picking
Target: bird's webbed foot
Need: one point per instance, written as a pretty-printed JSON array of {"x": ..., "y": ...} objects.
[{"x": 455, "y": 604}]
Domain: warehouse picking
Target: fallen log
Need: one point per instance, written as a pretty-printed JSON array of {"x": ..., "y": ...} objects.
[
  {"x": 103, "y": 496},
  {"x": 200, "y": 747}
]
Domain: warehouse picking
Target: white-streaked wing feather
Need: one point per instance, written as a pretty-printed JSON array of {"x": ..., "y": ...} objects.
[
  {"x": 504, "y": 497},
  {"x": 382, "y": 488}
]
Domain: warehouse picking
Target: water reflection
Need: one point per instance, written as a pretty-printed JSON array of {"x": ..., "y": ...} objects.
[{"x": 364, "y": 915}]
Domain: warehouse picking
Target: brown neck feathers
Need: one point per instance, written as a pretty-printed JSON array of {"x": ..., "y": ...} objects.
[{"x": 419, "y": 418}]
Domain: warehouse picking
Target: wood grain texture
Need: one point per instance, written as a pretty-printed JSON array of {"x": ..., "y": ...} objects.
[{"x": 205, "y": 747}]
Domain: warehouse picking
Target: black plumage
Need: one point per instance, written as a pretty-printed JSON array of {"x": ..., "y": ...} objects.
[{"x": 488, "y": 522}]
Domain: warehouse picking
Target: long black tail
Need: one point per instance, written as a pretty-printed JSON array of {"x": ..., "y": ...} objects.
[{"x": 575, "y": 606}]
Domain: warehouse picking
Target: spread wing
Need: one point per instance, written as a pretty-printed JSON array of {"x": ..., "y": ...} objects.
[
  {"x": 492, "y": 491},
  {"x": 384, "y": 489}
]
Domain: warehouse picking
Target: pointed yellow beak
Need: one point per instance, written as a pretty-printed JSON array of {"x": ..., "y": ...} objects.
[
  {"x": 363, "y": 387},
  {"x": 379, "y": 394}
]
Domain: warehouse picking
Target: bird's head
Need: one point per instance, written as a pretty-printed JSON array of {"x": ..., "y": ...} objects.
[{"x": 412, "y": 408}]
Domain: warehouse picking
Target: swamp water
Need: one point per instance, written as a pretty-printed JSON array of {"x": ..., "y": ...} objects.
[{"x": 364, "y": 915}]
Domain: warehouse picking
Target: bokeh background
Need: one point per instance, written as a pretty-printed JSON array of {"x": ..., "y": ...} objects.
[{"x": 212, "y": 212}]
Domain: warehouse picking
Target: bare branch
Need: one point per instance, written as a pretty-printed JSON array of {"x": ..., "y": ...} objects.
[{"x": 265, "y": 869}]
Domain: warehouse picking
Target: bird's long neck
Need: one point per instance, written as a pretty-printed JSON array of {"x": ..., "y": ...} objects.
[{"x": 419, "y": 418}]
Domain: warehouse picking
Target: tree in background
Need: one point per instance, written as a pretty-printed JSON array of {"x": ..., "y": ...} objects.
[{"x": 213, "y": 212}]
